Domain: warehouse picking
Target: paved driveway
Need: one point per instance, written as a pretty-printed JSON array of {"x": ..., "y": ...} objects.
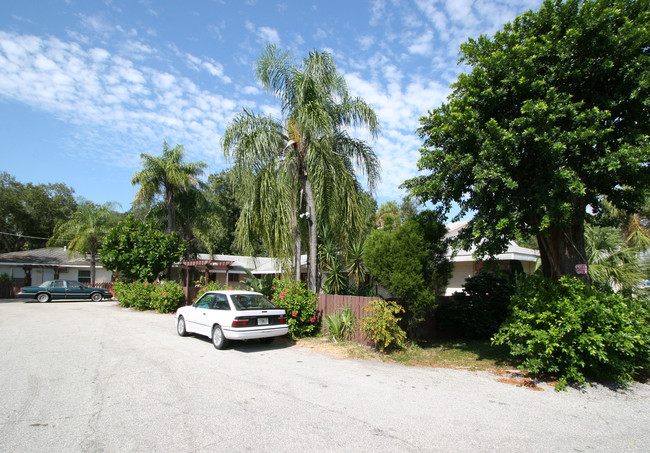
[{"x": 83, "y": 376}]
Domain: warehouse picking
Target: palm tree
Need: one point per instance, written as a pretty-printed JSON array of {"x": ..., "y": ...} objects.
[
  {"x": 86, "y": 229},
  {"x": 612, "y": 261},
  {"x": 168, "y": 176},
  {"x": 301, "y": 169}
]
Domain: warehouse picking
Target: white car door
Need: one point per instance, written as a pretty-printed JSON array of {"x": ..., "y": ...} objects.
[{"x": 198, "y": 319}]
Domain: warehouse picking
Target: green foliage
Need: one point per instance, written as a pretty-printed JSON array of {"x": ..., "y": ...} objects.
[
  {"x": 411, "y": 262},
  {"x": 167, "y": 176},
  {"x": 303, "y": 163},
  {"x": 164, "y": 297},
  {"x": 613, "y": 263},
  {"x": 300, "y": 305},
  {"x": 135, "y": 294},
  {"x": 85, "y": 230},
  {"x": 570, "y": 330},
  {"x": 215, "y": 226},
  {"x": 139, "y": 251},
  {"x": 341, "y": 324},
  {"x": 29, "y": 212},
  {"x": 4, "y": 277},
  {"x": 552, "y": 116},
  {"x": 480, "y": 309},
  {"x": 212, "y": 286},
  {"x": 381, "y": 325},
  {"x": 167, "y": 296},
  {"x": 262, "y": 285}
]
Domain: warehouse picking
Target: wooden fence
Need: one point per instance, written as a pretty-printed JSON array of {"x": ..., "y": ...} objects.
[
  {"x": 8, "y": 290},
  {"x": 329, "y": 303}
]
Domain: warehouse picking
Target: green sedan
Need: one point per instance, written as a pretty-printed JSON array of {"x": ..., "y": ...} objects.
[{"x": 63, "y": 289}]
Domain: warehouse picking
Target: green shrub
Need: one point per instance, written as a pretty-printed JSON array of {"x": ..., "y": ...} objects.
[
  {"x": 480, "y": 309},
  {"x": 572, "y": 331},
  {"x": 300, "y": 305},
  {"x": 340, "y": 324},
  {"x": 382, "y": 326},
  {"x": 212, "y": 286},
  {"x": 166, "y": 297}
]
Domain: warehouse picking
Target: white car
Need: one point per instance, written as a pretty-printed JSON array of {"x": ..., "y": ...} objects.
[{"x": 232, "y": 315}]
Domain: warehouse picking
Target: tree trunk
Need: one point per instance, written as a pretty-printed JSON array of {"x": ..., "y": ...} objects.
[
  {"x": 312, "y": 261},
  {"x": 297, "y": 243},
  {"x": 562, "y": 251},
  {"x": 93, "y": 260},
  {"x": 171, "y": 213}
]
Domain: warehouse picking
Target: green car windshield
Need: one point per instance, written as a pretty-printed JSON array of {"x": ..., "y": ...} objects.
[{"x": 251, "y": 302}]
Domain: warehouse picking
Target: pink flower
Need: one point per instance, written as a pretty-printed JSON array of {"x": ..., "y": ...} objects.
[
  {"x": 204, "y": 288},
  {"x": 286, "y": 291},
  {"x": 155, "y": 283},
  {"x": 294, "y": 314},
  {"x": 146, "y": 283},
  {"x": 230, "y": 288},
  {"x": 164, "y": 294},
  {"x": 281, "y": 296},
  {"x": 313, "y": 320}
]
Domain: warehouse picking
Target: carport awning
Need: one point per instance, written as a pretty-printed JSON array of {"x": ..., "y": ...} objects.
[{"x": 206, "y": 265}]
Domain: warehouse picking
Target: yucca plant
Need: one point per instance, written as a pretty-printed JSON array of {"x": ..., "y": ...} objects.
[{"x": 340, "y": 324}]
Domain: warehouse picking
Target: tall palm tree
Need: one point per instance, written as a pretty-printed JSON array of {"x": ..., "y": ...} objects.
[
  {"x": 301, "y": 169},
  {"x": 168, "y": 176},
  {"x": 86, "y": 229}
]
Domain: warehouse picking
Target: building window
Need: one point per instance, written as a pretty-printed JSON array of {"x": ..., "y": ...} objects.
[{"x": 83, "y": 276}]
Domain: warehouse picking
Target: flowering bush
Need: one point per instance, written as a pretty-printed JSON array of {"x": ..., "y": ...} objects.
[
  {"x": 300, "y": 305},
  {"x": 133, "y": 294},
  {"x": 212, "y": 286},
  {"x": 167, "y": 296},
  {"x": 381, "y": 325},
  {"x": 164, "y": 297}
]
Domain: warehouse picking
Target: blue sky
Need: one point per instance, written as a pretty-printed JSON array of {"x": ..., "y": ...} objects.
[{"x": 86, "y": 86}]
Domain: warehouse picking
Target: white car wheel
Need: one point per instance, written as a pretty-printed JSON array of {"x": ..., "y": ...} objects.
[
  {"x": 218, "y": 340},
  {"x": 180, "y": 327}
]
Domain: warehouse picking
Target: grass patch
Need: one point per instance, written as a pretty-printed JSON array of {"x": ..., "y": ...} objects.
[{"x": 472, "y": 355}]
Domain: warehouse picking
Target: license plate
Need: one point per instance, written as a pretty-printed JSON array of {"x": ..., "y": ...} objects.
[{"x": 262, "y": 321}]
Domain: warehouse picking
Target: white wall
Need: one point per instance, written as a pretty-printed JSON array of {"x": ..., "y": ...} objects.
[{"x": 462, "y": 270}]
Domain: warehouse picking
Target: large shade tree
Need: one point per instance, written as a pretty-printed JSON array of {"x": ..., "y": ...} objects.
[
  {"x": 85, "y": 231},
  {"x": 554, "y": 116},
  {"x": 167, "y": 176},
  {"x": 29, "y": 212},
  {"x": 301, "y": 170}
]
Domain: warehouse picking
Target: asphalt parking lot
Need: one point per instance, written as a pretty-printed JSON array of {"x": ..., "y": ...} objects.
[{"x": 93, "y": 377}]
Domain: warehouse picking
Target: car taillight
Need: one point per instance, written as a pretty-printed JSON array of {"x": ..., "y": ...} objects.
[
  {"x": 282, "y": 320},
  {"x": 239, "y": 322}
]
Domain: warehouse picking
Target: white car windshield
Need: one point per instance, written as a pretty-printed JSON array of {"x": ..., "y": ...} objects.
[
  {"x": 251, "y": 302},
  {"x": 46, "y": 284}
]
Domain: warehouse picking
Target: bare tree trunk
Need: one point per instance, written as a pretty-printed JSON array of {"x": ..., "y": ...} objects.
[
  {"x": 562, "y": 251},
  {"x": 93, "y": 260},
  {"x": 297, "y": 243},
  {"x": 312, "y": 261}
]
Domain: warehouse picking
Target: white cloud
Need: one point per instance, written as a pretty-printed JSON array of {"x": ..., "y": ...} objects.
[
  {"x": 365, "y": 42},
  {"x": 269, "y": 34},
  {"x": 422, "y": 45},
  {"x": 132, "y": 105},
  {"x": 264, "y": 34}
]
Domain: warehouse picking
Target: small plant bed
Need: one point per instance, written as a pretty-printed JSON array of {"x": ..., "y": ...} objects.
[{"x": 471, "y": 355}]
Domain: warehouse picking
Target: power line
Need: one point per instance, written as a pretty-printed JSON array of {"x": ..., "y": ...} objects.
[{"x": 24, "y": 236}]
